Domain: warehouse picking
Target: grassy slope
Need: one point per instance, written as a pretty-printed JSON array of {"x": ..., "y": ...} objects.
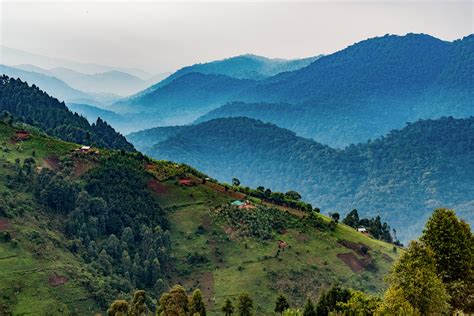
[
  {"x": 24, "y": 275},
  {"x": 307, "y": 266}
]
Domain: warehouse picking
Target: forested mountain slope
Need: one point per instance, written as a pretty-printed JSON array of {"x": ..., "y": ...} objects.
[
  {"x": 401, "y": 176},
  {"x": 33, "y": 106},
  {"x": 79, "y": 229},
  {"x": 142, "y": 140}
]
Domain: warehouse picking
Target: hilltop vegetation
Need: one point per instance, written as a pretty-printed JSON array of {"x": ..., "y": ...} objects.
[
  {"x": 401, "y": 176},
  {"x": 82, "y": 228},
  {"x": 31, "y": 105}
]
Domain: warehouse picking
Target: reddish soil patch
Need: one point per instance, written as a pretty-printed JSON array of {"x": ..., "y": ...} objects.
[
  {"x": 4, "y": 224},
  {"x": 156, "y": 187},
  {"x": 351, "y": 260},
  {"x": 20, "y": 136},
  {"x": 206, "y": 281},
  {"x": 57, "y": 280},
  {"x": 52, "y": 162},
  {"x": 186, "y": 182},
  {"x": 220, "y": 188},
  {"x": 81, "y": 168},
  {"x": 359, "y": 248}
]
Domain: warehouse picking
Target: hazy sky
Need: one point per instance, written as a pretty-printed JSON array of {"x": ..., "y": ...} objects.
[{"x": 162, "y": 36}]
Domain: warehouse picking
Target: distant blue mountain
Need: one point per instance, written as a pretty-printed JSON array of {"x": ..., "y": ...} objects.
[
  {"x": 241, "y": 67},
  {"x": 367, "y": 89},
  {"x": 353, "y": 95}
]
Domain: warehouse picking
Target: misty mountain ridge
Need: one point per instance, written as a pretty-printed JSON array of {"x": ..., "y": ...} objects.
[{"x": 353, "y": 95}]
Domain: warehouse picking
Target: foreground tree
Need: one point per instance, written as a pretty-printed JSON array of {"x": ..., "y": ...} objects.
[
  {"x": 138, "y": 306},
  {"x": 228, "y": 308},
  {"x": 360, "y": 304},
  {"x": 245, "y": 305},
  {"x": 118, "y": 308},
  {"x": 395, "y": 303},
  {"x": 197, "y": 304},
  {"x": 309, "y": 308},
  {"x": 281, "y": 304},
  {"x": 452, "y": 243},
  {"x": 174, "y": 303},
  {"x": 328, "y": 302},
  {"x": 413, "y": 278}
]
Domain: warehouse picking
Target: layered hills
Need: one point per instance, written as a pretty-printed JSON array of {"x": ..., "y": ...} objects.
[{"x": 401, "y": 176}]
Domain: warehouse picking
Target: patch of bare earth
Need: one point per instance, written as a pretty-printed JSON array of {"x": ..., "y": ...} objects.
[
  {"x": 81, "y": 167},
  {"x": 52, "y": 162},
  {"x": 351, "y": 260},
  {"x": 206, "y": 281},
  {"x": 4, "y": 224},
  {"x": 156, "y": 187},
  {"x": 56, "y": 279}
]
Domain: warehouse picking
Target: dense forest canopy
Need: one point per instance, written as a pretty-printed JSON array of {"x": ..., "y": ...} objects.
[
  {"x": 35, "y": 107},
  {"x": 400, "y": 176}
]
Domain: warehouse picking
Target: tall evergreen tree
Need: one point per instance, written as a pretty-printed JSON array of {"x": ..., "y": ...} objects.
[
  {"x": 228, "y": 307},
  {"x": 309, "y": 308},
  {"x": 245, "y": 305},
  {"x": 197, "y": 305},
  {"x": 281, "y": 304}
]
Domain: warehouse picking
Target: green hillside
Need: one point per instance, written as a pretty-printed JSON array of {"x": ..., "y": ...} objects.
[
  {"x": 146, "y": 229},
  {"x": 402, "y": 176}
]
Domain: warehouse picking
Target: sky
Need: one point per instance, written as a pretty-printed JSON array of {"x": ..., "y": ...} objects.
[{"x": 160, "y": 36}]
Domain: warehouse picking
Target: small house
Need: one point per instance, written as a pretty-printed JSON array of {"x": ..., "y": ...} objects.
[
  {"x": 85, "y": 149},
  {"x": 362, "y": 230},
  {"x": 237, "y": 203}
]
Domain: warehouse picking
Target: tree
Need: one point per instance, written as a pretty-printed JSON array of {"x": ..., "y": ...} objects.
[
  {"x": 352, "y": 219},
  {"x": 452, "y": 244},
  {"x": 138, "y": 306},
  {"x": 328, "y": 302},
  {"x": 335, "y": 217},
  {"x": 245, "y": 305},
  {"x": 414, "y": 278},
  {"x": 228, "y": 308},
  {"x": 281, "y": 304},
  {"x": 118, "y": 308},
  {"x": 359, "y": 304},
  {"x": 293, "y": 195},
  {"x": 235, "y": 182},
  {"x": 309, "y": 308},
  {"x": 197, "y": 305},
  {"x": 394, "y": 303},
  {"x": 174, "y": 302}
]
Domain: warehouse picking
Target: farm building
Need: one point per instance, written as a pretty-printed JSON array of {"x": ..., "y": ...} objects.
[
  {"x": 242, "y": 204},
  {"x": 362, "y": 230},
  {"x": 237, "y": 203}
]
